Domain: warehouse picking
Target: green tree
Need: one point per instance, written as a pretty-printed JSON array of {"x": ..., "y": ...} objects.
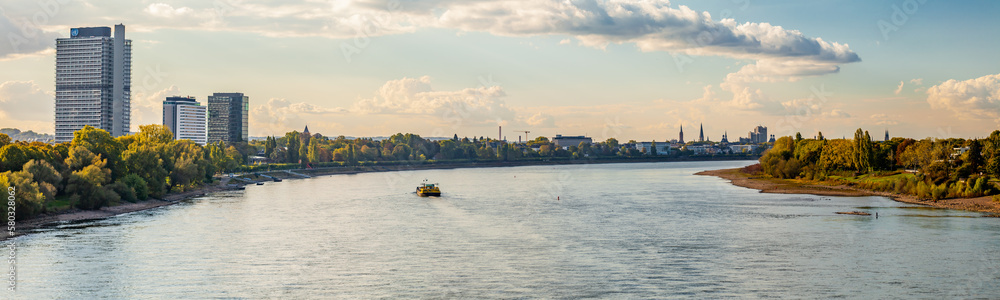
[
  {"x": 29, "y": 199},
  {"x": 861, "y": 151},
  {"x": 269, "y": 145},
  {"x": 87, "y": 195},
  {"x": 304, "y": 149},
  {"x": 974, "y": 156},
  {"x": 401, "y": 152},
  {"x": 154, "y": 134},
  {"x": 991, "y": 154},
  {"x": 46, "y": 176},
  {"x": 314, "y": 152},
  {"x": 351, "y": 159},
  {"x": 101, "y": 143},
  {"x": 612, "y": 143},
  {"x": 12, "y": 157},
  {"x": 652, "y": 149},
  {"x": 292, "y": 151},
  {"x": 145, "y": 161},
  {"x": 4, "y": 139},
  {"x": 137, "y": 184}
]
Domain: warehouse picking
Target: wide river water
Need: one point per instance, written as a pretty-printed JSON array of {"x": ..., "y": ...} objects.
[{"x": 642, "y": 230}]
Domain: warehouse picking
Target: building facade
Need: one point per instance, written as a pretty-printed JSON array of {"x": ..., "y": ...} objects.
[
  {"x": 662, "y": 148},
  {"x": 186, "y": 119},
  {"x": 566, "y": 141},
  {"x": 228, "y": 117},
  {"x": 93, "y": 81},
  {"x": 758, "y": 135}
]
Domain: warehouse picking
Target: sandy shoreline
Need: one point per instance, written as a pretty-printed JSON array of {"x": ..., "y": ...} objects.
[{"x": 785, "y": 186}]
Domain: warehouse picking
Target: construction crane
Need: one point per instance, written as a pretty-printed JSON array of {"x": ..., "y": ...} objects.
[{"x": 526, "y": 132}]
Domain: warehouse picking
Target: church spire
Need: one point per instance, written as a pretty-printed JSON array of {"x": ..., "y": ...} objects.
[
  {"x": 682, "y": 134},
  {"x": 701, "y": 132}
]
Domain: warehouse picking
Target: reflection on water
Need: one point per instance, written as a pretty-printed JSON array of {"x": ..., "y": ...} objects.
[{"x": 648, "y": 230}]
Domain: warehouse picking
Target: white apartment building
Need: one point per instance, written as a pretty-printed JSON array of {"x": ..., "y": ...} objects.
[{"x": 186, "y": 118}]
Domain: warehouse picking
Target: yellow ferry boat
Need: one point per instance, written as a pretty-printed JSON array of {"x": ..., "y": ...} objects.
[{"x": 428, "y": 189}]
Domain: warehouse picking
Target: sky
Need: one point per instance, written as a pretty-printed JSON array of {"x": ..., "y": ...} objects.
[{"x": 631, "y": 70}]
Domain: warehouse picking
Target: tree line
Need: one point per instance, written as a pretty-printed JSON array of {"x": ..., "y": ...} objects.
[
  {"x": 941, "y": 168},
  {"x": 95, "y": 169}
]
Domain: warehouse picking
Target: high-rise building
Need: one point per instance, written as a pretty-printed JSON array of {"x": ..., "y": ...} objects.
[
  {"x": 759, "y": 135},
  {"x": 186, "y": 119},
  {"x": 227, "y": 117},
  {"x": 93, "y": 81},
  {"x": 886, "y": 135}
]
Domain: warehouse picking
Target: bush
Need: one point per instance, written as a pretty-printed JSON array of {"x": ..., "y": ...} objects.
[
  {"x": 753, "y": 169},
  {"x": 87, "y": 195},
  {"x": 939, "y": 192},
  {"x": 124, "y": 191},
  {"x": 138, "y": 185}
]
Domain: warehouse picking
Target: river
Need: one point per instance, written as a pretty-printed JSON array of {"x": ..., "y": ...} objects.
[{"x": 637, "y": 230}]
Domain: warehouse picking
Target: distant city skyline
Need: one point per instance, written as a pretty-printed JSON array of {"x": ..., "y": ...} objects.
[{"x": 629, "y": 70}]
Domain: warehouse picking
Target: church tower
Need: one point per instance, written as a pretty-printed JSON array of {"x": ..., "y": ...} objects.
[
  {"x": 682, "y": 134},
  {"x": 701, "y": 132}
]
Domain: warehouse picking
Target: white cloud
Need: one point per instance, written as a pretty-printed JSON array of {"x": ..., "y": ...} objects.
[
  {"x": 977, "y": 98},
  {"x": 147, "y": 107},
  {"x": 884, "y": 119},
  {"x": 470, "y": 106},
  {"x": 565, "y": 42},
  {"x": 280, "y": 115},
  {"x": 651, "y": 25},
  {"x": 899, "y": 88},
  {"x": 836, "y": 113},
  {"x": 540, "y": 120},
  {"x": 164, "y": 10},
  {"x": 917, "y": 81},
  {"x": 24, "y": 105}
]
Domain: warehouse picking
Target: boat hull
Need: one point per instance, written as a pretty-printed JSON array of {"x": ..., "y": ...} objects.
[{"x": 429, "y": 194}]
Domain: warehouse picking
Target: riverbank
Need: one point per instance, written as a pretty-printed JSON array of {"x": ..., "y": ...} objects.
[
  {"x": 794, "y": 186},
  {"x": 76, "y": 215}
]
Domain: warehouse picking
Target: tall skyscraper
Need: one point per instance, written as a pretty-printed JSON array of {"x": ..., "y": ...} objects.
[
  {"x": 93, "y": 81},
  {"x": 186, "y": 119},
  {"x": 886, "y": 135},
  {"x": 759, "y": 135},
  {"x": 227, "y": 117}
]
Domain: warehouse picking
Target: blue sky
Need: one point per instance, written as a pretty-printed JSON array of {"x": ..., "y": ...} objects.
[{"x": 600, "y": 68}]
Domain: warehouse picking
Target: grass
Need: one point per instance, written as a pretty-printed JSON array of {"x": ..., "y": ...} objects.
[
  {"x": 890, "y": 178},
  {"x": 60, "y": 203}
]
